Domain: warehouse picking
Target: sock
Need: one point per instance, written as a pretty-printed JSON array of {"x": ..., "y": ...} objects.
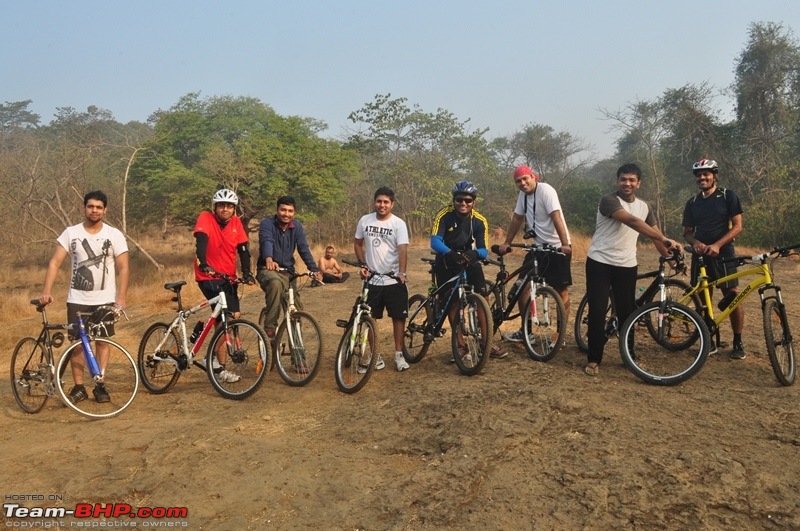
[{"x": 737, "y": 339}]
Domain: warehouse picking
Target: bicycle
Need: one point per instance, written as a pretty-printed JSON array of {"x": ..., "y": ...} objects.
[
  {"x": 655, "y": 361},
  {"x": 472, "y": 324},
  {"x": 543, "y": 333},
  {"x": 34, "y": 370},
  {"x": 675, "y": 290},
  {"x": 166, "y": 351},
  {"x": 297, "y": 355}
]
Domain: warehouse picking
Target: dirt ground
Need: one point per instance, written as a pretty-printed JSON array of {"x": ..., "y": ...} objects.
[{"x": 524, "y": 445}]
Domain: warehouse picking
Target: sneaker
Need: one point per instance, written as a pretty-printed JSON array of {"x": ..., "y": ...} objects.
[
  {"x": 77, "y": 394},
  {"x": 498, "y": 353},
  {"x": 516, "y": 337},
  {"x": 401, "y": 362},
  {"x": 101, "y": 395},
  {"x": 738, "y": 352},
  {"x": 379, "y": 364},
  {"x": 226, "y": 376}
]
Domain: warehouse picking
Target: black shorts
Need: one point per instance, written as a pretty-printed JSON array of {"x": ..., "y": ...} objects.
[
  {"x": 212, "y": 288},
  {"x": 394, "y": 298},
  {"x": 716, "y": 268},
  {"x": 475, "y": 276},
  {"x": 72, "y": 317},
  {"x": 555, "y": 268}
]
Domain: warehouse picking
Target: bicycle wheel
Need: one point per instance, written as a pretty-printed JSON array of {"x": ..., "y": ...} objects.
[
  {"x": 472, "y": 325},
  {"x": 120, "y": 378},
  {"x": 419, "y": 318},
  {"x": 582, "y": 323},
  {"x": 779, "y": 341},
  {"x": 355, "y": 357},
  {"x": 157, "y": 369},
  {"x": 298, "y": 348},
  {"x": 544, "y": 324},
  {"x": 246, "y": 362},
  {"x": 29, "y": 378},
  {"x": 674, "y": 290},
  {"x": 649, "y": 358},
  {"x": 262, "y": 318}
]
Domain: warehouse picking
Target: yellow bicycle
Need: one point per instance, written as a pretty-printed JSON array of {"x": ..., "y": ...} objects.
[{"x": 684, "y": 327}]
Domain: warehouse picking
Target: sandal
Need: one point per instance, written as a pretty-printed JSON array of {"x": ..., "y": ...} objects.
[{"x": 592, "y": 369}]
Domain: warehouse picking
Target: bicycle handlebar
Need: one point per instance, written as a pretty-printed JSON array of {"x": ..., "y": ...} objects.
[{"x": 372, "y": 272}]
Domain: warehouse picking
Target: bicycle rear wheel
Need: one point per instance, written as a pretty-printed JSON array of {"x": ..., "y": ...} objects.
[
  {"x": 157, "y": 367},
  {"x": 120, "y": 378},
  {"x": 298, "y": 348},
  {"x": 419, "y": 318},
  {"x": 544, "y": 324},
  {"x": 582, "y": 323},
  {"x": 355, "y": 357},
  {"x": 654, "y": 358},
  {"x": 472, "y": 325},
  {"x": 779, "y": 341},
  {"x": 29, "y": 378},
  {"x": 246, "y": 359}
]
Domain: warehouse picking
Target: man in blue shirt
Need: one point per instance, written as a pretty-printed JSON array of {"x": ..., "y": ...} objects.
[{"x": 278, "y": 238}]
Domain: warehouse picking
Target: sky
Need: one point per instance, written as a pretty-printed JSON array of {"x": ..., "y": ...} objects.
[{"x": 500, "y": 64}]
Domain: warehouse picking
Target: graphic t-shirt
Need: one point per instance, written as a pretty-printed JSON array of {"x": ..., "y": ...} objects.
[
  {"x": 381, "y": 239},
  {"x": 93, "y": 263}
]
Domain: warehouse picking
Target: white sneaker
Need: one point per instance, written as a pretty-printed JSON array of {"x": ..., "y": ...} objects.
[
  {"x": 516, "y": 337},
  {"x": 226, "y": 376},
  {"x": 379, "y": 364},
  {"x": 401, "y": 362}
]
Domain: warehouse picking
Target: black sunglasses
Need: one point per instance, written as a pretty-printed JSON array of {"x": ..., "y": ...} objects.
[{"x": 467, "y": 200}]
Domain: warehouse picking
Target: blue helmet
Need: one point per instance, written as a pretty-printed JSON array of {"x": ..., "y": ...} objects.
[{"x": 465, "y": 188}]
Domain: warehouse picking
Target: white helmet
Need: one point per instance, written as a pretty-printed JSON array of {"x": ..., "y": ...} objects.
[
  {"x": 705, "y": 164},
  {"x": 225, "y": 196}
]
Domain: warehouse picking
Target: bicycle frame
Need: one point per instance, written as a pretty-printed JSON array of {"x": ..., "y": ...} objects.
[{"x": 458, "y": 287}]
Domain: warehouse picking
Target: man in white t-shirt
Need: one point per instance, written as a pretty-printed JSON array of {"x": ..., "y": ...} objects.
[
  {"x": 539, "y": 209},
  {"x": 381, "y": 242},
  {"x": 611, "y": 260},
  {"x": 99, "y": 258}
]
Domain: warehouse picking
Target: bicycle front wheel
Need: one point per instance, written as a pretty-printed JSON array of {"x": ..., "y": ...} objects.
[
  {"x": 544, "y": 324},
  {"x": 156, "y": 358},
  {"x": 779, "y": 341},
  {"x": 674, "y": 290},
  {"x": 355, "y": 357},
  {"x": 654, "y": 357},
  {"x": 473, "y": 326},
  {"x": 120, "y": 378},
  {"x": 242, "y": 356},
  {"x": 298, "y": 347},
  {"x": 419, "y": 318},
  {"x": 29, "y": 375}
]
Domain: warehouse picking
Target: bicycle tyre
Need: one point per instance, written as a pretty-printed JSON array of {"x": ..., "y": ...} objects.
[
  {"x": 248, "y": 357},
  {"x": 675, "y": 290},
  {"x": 362, "y": 354},
  {"x": 28, "y": 375},
  {"x": 414, "y": 344},
  {"x": 297, "y": 358},
  {"x": 158, "y": 375},
  {"x": 582, "y": 323},
  {"x": 648, "y": 357},
  {"x": 262, "y": 319},
  {"x": 542, "y": 335},
  {"x": 779, "y": 341},
  {"x": 121, "y": 378},
  {"x": 476, "y": 328}
]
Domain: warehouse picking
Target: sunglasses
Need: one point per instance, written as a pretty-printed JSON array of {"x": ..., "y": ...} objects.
[{"x": 467, "y": 200}]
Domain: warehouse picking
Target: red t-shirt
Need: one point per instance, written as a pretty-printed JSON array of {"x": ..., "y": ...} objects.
[{"x": 222, "y": 242}]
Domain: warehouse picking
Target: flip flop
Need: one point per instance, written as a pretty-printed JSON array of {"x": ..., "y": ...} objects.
[{"x": 592, "y": 369}]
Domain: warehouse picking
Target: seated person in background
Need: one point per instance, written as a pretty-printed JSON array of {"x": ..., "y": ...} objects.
[{"x": 329, "y": 267}]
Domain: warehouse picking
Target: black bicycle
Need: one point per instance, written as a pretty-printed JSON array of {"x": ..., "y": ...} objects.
[
  {"x": 472, "y": 325},
  {"x": 545, "y": 321},
  {"x": 674, "y": 290}
]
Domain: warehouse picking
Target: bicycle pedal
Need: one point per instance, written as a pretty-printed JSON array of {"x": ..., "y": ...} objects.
[
  {"x": 442, "y": 332},
  {"x": 341, "y": 323}
]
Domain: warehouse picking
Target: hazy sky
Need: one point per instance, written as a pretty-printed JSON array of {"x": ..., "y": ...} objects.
[{"x": 500, "y": 64}]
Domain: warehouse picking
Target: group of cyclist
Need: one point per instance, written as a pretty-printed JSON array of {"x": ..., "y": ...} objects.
[{"x": 459, "y": 236}]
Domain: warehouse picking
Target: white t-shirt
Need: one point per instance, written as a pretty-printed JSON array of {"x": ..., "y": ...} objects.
[
  {"x": 381, "y": 241},
  {"x": 93, "y": 280},
  {"x": 614, "y": 243},
  {"x": 542, "y": 203}
]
